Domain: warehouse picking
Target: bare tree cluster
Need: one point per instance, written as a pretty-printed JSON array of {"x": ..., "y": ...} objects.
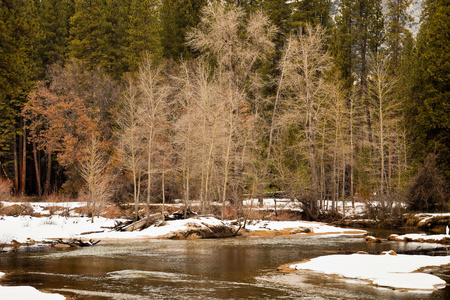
[{"x": 217, "y": 127}]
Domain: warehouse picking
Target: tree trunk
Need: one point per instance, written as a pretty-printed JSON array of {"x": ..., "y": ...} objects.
[
  {"x": 37, "y": 169},
  {"x": 227, "y": 160},
  {"x": 23, "y": 164},
  {"x": 149, "y": 172},
  {"x": 352, "y": 159},
  {"x": 272, "y": 128},
  {"x": 343, "y": 182},
  {"x": 163, "y": 188},
  {"x": 49, "y": 173},
  {"x": 381, "y": 139},
  {"x": 16, "y": 166}
]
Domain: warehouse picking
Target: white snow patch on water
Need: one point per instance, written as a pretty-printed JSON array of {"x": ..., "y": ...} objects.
[
  {"x": 393, "y": 271},
  {"x": 26, "y": 292}
]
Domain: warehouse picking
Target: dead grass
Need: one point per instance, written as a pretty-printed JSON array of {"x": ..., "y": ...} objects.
[
  {"x": 16, "y": 210},
  {"x": 5, "y": 189},
  {"x": 112, "y": 212}
]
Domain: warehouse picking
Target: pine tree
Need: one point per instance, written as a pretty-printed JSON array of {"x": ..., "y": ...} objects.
[
  {"x": 54, "y": 22},
  {"x": 358, "y": 33},
  {"x": 18, "y": 37},
  {"x": 177, "y": 18},
  {"x": 398, "y": 41},
  {"x": 396, "y": 31},
  {"x": 342, "y": 45},
  {"x": 142, "y": 33},
  {"x": 430, "y": 109},
  {"x": 312, "y": 12},
  {"x": 85, "y": 32}
]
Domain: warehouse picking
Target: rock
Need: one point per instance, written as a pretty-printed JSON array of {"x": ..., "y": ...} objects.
[
  {"x": 61, "y": 246},
  {"x": 390, "y": 252},
  {"x": 392, "y": 237},
  {"x": 198, "y": 231},
  {"x": 371, "y": 239}
]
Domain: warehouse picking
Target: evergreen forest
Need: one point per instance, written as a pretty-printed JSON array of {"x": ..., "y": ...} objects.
[{"x": 144, "y": 101}]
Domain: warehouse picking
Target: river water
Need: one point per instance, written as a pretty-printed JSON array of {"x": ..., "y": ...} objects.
[{"x": 233, "y": 268}]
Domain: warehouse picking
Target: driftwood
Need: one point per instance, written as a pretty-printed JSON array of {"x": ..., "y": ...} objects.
[
  {"x": 120, "y": 225},
  {"x": 438, "y": 251},
  {"x": 143, "y": 223},
  {"x": 90, "y": 232},
  {"x": 179, "y": 215},
  {"x": 60, "y": 243}
]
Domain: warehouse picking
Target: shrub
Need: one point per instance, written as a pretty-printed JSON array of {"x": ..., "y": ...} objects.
[
  {"x": 112, "y": 212},
  {"x": 17, "y": 210},
  {"x": 5, "y": 188},
  {"x": 427, "y": 190}
]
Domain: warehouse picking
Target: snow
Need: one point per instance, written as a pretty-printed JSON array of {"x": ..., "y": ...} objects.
[
  {"x": 25, "y": 228},
  {"x": 44, "y": 208},
  {"x": 158, "y": 231},
  {"x": 393, "y": 271},
  {"x": 314, "y": 227},
  {"x": 25, "y": 292},
  {"x": 285, "y": 203},
  {"x": 421, "y": 237},
  {"x": 424, "y": 217}
]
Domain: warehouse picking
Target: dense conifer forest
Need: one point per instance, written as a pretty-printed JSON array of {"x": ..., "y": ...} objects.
[{"x": 148, "y": 101}]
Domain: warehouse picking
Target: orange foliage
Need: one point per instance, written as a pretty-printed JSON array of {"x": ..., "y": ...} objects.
[{"x": 59, "y": 122}]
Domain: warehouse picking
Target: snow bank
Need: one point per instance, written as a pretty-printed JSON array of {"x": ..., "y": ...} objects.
[
  {"x": 25, "y": 292},
  {"x": 285, "y": 203},
  {"x": 159, "y": 231},
  {"x": 25, "y": 228},
  {"x": 313, "y": 227},
  {"x": 394, "y": 271},
  {"x": 421, "y": 238},
  {"x": 50, "y": 208}
]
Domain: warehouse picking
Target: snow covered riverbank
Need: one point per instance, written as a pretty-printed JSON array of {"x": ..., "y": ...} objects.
[
  {"x": 27, "y": 229},
  {"x": 297, "y": 227},
  {"x": 421, "y": 238},
  {"x": 388, "y": 270}
]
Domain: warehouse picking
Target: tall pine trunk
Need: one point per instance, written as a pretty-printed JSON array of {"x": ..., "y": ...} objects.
[{"x": 37, "y": 169}]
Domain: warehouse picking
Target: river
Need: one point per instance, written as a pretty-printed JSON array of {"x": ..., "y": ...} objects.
[{"x": 233, "y": 268}]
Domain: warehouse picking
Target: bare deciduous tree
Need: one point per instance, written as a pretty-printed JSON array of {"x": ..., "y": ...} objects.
[
  {"x": 384, "y": 108},
  {"x": 129, "y": 140},
  {"x": 235, "y": 45},
  {"x": 154, "y": 92},
  {"x": 92, "y": 168},
  {"x": 306, "y": 91}
]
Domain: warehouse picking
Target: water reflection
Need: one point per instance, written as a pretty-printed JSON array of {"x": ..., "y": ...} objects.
[{"x": 240, "y": 268}]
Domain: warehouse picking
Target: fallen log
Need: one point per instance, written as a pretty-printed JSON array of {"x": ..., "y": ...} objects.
[
  {"x": 143, "y": 223},
  {"x": 90, "y": 232},
  {"x": 60, "y": 243}
]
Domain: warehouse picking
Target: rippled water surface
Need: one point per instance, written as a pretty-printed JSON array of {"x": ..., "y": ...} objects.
[{"x": 235, "y": 268}]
